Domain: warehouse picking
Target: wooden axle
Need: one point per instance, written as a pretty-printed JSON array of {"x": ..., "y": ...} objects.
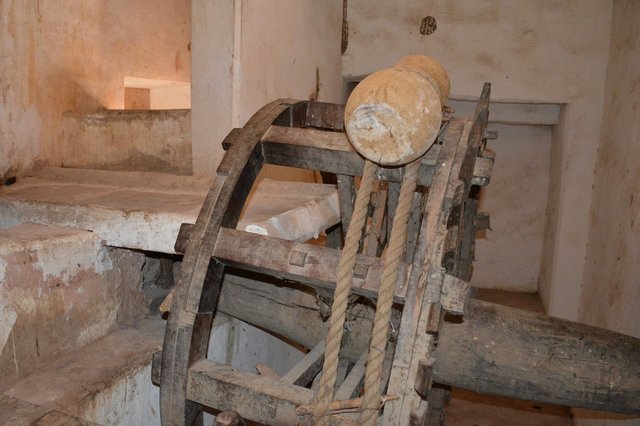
[
  {"x": 491, "y": 349},
  {"x": 393, "y": 116}
]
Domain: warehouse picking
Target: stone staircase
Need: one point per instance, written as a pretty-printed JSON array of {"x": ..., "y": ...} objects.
[
  {"x": 63, "y": 348},
  {"x": 76, "y": 331}
]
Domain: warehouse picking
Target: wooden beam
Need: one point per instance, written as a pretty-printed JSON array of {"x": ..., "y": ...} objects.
[
  {"x": 491, "y": 349},
  {"x": 501, "y": 351},
  {"x": 330, "y": 152},
  {"x": 305, "y": 263},
  {"x": 307, "y": 368},
  {"x": 257, "y": 398}
]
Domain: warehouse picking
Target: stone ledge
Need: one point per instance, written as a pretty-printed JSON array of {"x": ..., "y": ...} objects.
[
  {"x": 144, "y": 211},
  {"x": 107, "y": 382}
]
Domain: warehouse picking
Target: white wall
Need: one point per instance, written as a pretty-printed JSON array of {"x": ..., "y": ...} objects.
[
  {"x": 65, "y": 55},
  {"x": 247, "y": 53},
  {"x": 543, "y": 51},
  {"x": 508, "y": 257},
  {"x": 611, "y": 291}
]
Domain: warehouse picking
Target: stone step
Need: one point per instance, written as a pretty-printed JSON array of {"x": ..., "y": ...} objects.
[
  {"x": 16, "y": 412},
  {"x": 144, "y": 210},
  {"x": 60, "y": 289},
  {"x": 107, "y": 382}
]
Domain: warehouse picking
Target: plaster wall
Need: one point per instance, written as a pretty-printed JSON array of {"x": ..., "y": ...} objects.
[
  {"x": 611, "y": 292},
  {"x": 265, "y": 50},
  {"x": 59, "y": 290},
  {"x": 66, "y": 55},
  {"x": 128, "y": 140},
  {"x": 542, "y": 51},
  {"x": 508, "y": 256}
]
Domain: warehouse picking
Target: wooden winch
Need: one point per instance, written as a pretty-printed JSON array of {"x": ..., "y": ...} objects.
[{"x": 435, "y": 332}]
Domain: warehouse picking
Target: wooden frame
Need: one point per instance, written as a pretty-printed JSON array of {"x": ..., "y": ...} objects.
[{"x": 432, "y": 281}]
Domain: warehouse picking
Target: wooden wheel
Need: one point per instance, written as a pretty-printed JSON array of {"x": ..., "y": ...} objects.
[
  {"x": 198, "y": 286},
  {"x": 433, "y": 280}
]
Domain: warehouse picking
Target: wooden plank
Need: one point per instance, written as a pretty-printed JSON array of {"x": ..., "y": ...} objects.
[
  {"x": 264, "y": 370},
  {"x": 374, "y": 237},
  {"x": 346, "y": 198},
  {"x": 330, "y": 152},
  {"x": 477, "y": 134},
  {"x": 466, "y": 251},
  {"x": 354, "y": 382},
  {"x": 325, "y": 115},
  {"x": 307, "y": 368},
  {"x": 393, "y": 190},
  {"x": 257, "y": 398},
  {"x": 414, "y": 227},
  {"x": 413, "y": 342},
  {"x": 305, "y": 263},
  {"x": 482, "y": 170}
]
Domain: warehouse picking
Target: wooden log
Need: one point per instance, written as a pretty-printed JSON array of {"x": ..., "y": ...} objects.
[
  {"x": 501, "y": 351},
  {"x": 393, "y": 116},
  {"x": 491, "y": 349},
  {"x": 297, "y": 316}
]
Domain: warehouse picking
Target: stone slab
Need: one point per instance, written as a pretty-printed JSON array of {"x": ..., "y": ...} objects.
[
  {"x": 144, "y": 210},
  {"x": 16, "y": 412},
  {"x": 107, "y": 382},
  {"x": 60, "y": 289}
]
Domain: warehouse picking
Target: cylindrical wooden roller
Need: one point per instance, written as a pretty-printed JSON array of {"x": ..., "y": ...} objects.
[{"x": 393, "y": 116}]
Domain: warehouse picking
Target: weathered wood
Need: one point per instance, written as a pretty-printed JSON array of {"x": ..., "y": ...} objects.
[
  {"x": 264, "y": 370},
  {"x": 374, "y": 237},
  {"x": 394, "y": 115},
  {"x": 319, "y": 267},
  {"x": 491, "y": 349},
  {"x": 188, "y": 325},
  {"x": 293, "y": 139},
  {"x": 298, "y": 316},
  {"x": 257, "y": 398},
  {"x": 414, "y": 227},
  {"x": 325, "y": 116},
  {"x": 477, "y": 134},
  {"x": 413, "y": 341},
  {"x": 393, "y": 190},
  {"x": 502, "y": 351},
  {"x": 229, "y": 418},
  {"x": 353, "y": 383},
  {"x": 455, "y": 294},
  {"x": 346, "y": 198},
  {"x": 307, "y": 368},
  {"x": 330, "y": 152},
  {"x": 482, "y": 171}
]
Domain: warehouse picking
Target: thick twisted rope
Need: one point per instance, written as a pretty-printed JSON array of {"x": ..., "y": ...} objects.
[
  {"x": 341, "y": 294},
  {"x": 395, "y": 251}
]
